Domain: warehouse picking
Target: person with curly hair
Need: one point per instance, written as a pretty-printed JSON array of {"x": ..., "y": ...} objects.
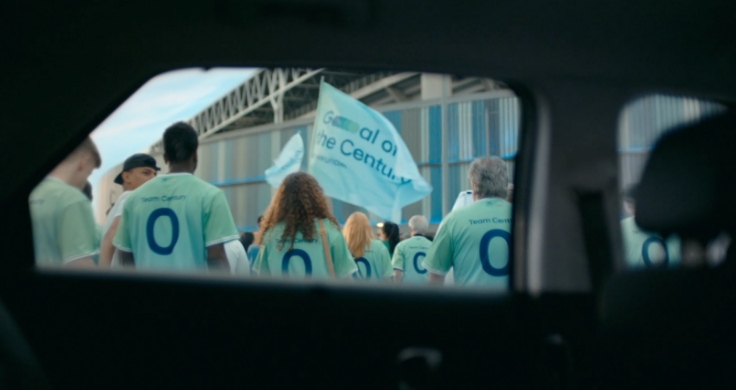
[
  {"x": 291, "y": 243},
  {"x": 371, "y": 256}
]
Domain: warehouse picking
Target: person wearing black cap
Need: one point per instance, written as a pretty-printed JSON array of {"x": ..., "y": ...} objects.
[
  {"x": 137, "y": 169},
  {"x": 176, "y": 221}
]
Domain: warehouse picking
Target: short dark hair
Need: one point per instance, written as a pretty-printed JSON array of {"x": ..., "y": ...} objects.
[
  {"x": 247, "y": 239},
  {"x": 87, "y": 190},
  {"x": 180, "y": 142}
]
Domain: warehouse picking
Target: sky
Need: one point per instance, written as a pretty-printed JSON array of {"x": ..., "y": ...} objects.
[{"x": 163, "y": 100}]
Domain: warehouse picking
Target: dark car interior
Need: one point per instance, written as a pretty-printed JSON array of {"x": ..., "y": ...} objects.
[{"x": 571, "y": 319}]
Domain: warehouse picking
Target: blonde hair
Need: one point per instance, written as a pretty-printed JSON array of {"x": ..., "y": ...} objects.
[{"x": 358, "y": 233}]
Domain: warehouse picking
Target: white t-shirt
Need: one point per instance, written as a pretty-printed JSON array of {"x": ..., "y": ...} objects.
[
  {"x": 237, "y": 258},
  {"x": 116, "y": 211},
  {"x": 463, "y": 199}
]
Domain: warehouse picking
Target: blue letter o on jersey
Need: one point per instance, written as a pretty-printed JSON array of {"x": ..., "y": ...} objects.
[
  {"x": 485, "y": 260},
  {"x": 645, "y": 252},
  {"x": 362, "y": 260},
  {"x": 300, "y": 253},
  {"x": 174, "y": 230},
  {"x": 416, "y": 261}
]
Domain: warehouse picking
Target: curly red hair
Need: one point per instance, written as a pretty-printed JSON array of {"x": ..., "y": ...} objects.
[{"x": 297, "y": 202}]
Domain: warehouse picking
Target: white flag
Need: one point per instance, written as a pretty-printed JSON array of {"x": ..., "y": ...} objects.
[
  {"x": 360, "y": 158},
  {"x": 289, "y": 161}
]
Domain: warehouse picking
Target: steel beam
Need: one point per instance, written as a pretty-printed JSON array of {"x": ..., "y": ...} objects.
[{"x": 266, "y": 86}]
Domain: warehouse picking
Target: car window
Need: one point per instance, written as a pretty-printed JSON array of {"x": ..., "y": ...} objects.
[
  {"x": 642, "y": 122},
  {"x": 393, "y": 177}
]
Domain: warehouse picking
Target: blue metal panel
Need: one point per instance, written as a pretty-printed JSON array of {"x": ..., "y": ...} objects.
[
  {"x": 337, "y": 206},
  {"x": 435, "y": 135},
  {"x": 436, "y": 182},
  {"x": 479, "y": 128},
  {"x": 494, "y": 133},
  {"x": 452, "y": 133},
  {"x": 395, "y": 118}
]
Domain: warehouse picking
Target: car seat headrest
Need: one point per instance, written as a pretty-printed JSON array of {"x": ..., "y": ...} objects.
[{"x": 688, "y": 184}]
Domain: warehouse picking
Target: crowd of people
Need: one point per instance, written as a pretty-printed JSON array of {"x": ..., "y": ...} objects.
[{"x": 176, "y": 221}]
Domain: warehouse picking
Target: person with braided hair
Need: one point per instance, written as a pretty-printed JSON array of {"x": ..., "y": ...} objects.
[{"x": 291, "y": 243}]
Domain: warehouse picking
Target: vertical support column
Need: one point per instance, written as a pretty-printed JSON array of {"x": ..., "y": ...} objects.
[
  {"x": 445, "y": 165},
  {"x": 277, "y": 83}
]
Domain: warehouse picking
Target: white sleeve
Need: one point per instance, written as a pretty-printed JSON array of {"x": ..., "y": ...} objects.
[{"x": 237, "y": 258}]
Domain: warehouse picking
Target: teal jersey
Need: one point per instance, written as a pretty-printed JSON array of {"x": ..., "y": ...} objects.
[
  {"x": 64, "y": 228},
  {"x": 408, "y": 257},
  {"x": 307, "y": 258},
  {"x": 375, "y": 264},
  {"x": 474, "y": 240},
  {"x": 168, "y": 222},
  {"x": 646, "y": 249}
]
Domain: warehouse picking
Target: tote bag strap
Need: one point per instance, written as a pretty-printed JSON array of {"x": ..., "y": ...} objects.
[{"x": 326, "y": 248}]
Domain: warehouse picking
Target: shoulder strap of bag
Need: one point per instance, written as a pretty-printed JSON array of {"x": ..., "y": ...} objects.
[{"x": 326, "y": 248}]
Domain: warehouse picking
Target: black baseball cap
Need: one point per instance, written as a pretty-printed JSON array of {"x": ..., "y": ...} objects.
[{"x": 135, "y": 161}]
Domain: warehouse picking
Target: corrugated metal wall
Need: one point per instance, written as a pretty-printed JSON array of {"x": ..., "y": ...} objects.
[
  {"x": 475, "y": 128},
  {"x": 642, "y": 122}
]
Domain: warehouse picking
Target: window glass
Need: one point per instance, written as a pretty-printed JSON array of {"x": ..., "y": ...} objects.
[
  {"x": 351, "y": 174},
  {"x": 642, "y": 122}
]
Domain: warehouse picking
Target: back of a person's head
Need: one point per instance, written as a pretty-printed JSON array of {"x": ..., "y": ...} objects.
[
  {"x": 418, "y": 224},
  {"x": 391, "y": 232},
  {"x": 489, "y": 176},
  {"x": 298, "y": 201},
  {"x": 358, "y": 233},
  {"x": 89, "y": 149},
  {"x": 247, "y": 239},
  {"x": 180, "y": 142}
]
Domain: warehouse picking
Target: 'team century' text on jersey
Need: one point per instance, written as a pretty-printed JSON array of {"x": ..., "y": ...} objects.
[
  {"x": 169, "y": 222},
  {"x": 474, "y": 240},
  {"x": 408, "y": 257}
]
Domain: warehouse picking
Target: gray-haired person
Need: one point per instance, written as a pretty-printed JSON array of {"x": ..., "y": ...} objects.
[
  {"x": 474, "y": 240},
  {"x": 410, "y": 253}
]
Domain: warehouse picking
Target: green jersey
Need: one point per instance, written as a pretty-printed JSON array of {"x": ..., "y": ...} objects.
[
  {"x": 375, "y": 264},
  {"x": 645, "y": 249},
  {"x": 169, "y": 222},
  {"x": 408, "y": 257},
  {"x": 64, "y": 228},
  {"x": 307, "y": 258},
  {"x": 474, "y": 240}
]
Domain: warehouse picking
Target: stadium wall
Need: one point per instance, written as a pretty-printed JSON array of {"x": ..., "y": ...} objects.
[{"x": 477, "y": 125}]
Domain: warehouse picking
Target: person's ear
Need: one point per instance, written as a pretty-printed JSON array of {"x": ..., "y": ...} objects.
[
  {"x": 166, "y": 159},
  {"x": 195, "y": 157},
  {"x": 82, "y": 162},
  {"x": 125, "y": 177}
]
